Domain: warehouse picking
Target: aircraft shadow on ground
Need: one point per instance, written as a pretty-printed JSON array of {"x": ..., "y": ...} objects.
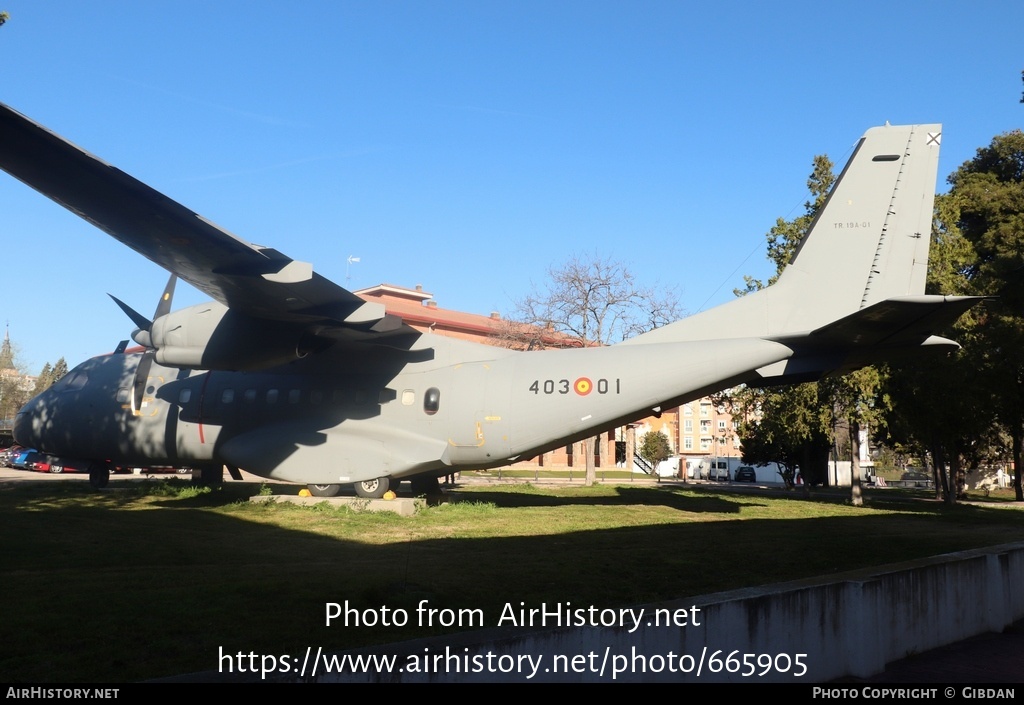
[{"x": 647, "y": 496}]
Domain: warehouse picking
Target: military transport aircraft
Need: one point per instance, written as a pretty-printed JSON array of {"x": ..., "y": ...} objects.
[{"x": 289, "y": 376}]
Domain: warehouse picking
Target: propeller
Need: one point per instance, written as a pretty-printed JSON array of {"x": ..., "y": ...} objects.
[{"x": 143, "y": 335}]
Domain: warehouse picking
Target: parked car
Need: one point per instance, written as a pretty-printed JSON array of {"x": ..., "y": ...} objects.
[
  {"x": 58, "y": 465},
  {"x": 7, "y": 455},
  {"x": 40, "y": 463},
  {"x": 745, "y": 473},
  {"x": 22, "y": 458}
]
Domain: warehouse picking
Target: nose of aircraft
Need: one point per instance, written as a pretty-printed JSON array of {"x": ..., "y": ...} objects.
[{"x": 25, "y": 425}]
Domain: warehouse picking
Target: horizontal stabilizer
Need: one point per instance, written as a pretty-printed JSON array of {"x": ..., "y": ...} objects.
[{"x": 898, "y": 322}]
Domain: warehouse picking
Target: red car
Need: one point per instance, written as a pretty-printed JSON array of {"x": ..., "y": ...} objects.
[{"x": 50, "y": 463}]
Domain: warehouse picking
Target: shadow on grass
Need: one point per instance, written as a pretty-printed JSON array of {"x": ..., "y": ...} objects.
[{"x": 623, "y": 496}]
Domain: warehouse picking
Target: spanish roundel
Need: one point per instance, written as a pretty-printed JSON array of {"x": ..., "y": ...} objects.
[{"x": 583, "y": 386}]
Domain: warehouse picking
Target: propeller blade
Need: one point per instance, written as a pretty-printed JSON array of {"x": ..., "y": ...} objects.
[
  {"x": 121, "y": 347},
  {"x": 138, "y": 319},
  {"x": 142, "y": 335},
  {"x": 164, "y": 307}
]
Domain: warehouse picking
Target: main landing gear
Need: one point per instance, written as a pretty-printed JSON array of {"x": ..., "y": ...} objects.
[
  {"x": 99, "y": 475},
  {"x": 372, "y": 489},
  {"x": 368, "y": 489},
  {"x": 324, "y": 490},
  {"x": 425, "y": 486}
]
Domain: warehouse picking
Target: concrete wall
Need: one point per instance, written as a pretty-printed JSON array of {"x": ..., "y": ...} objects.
[{"x": 849, "y": 624}]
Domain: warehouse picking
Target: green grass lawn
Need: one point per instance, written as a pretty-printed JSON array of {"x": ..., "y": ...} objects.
[{"x": 149, "y": 579}]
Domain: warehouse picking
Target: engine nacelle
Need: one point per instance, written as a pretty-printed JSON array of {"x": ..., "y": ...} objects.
[{"x": 211, "y": 336}]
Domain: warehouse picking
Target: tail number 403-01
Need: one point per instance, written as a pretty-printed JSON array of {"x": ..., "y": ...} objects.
[{"x": 581, "y": 386}]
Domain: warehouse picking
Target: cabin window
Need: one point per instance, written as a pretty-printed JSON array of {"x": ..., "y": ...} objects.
[
  {"x": 227, "y": 396},
  {"x": 408, "y": 397},
  {"x": 294, "y": 395},
  {"x": 432, "y": 401},
  {"x": 271, "y": 396},
  {"x": 122, "y": 395},
  {"x": 249, "y": 396},
  {"x": 184, "y": 395}
]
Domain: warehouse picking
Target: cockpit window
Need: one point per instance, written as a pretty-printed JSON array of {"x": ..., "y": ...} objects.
[{"x": 75, "y": 381}]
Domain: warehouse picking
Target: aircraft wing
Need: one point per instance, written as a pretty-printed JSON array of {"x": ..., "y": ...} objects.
[{"x": 258, "y": 281}]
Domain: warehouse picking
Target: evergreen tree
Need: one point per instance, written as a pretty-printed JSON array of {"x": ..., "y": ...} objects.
[
  {"x": 60, "y": 368},
  {"x": 44, "y": 380}
]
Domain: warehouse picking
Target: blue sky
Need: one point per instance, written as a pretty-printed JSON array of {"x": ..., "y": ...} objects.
[{"x": 468, "y": 146}]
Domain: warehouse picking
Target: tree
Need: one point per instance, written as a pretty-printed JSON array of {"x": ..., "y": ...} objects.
[
  {"x": 654, "y": 447},
  {"x": 786, "y": 425},
  {"x": 856, "y": 398},
  {"x": 590, "y": 300},
  {"x": 60, "y": 368},
  {"x": 934, "y": 401},
  {"x": 595, "y": 300},
  {"x": 50, "y": 374},
  {"x": 988, "y": 197},
  {"x": 44, "y": 380}
]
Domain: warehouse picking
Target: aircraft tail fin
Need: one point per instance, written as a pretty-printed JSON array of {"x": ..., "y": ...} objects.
[
  {"x": 870, "y": 240},
  {"x": 868, "y": 243}
]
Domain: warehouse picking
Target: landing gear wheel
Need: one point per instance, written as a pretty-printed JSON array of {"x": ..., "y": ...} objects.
[
  {"x": 372, "y": 489},
  {"x": 209, "y": 476},
  {"x": 99, "y": 475},
  {"x": 324, "y": 490},
  {"x": 56, "y": 469}
]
